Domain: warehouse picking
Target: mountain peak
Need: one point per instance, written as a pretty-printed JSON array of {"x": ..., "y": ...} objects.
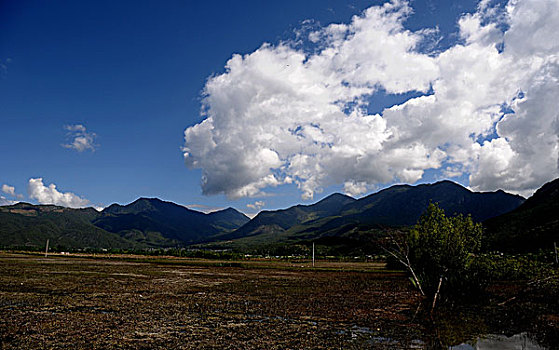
[
  {"x": 145, "y": 205},
  {"x": 448, "y": 183},
  {"x": 170, "y": 220},
  {"x": 337, "y": 196},
  {"x": 332, "y": 203},
  {"x": 152, "y": 200},
  {"x": 226, "y": 210}
]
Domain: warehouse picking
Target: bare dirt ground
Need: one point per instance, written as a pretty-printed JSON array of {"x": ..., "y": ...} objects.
[
  {"x": 83, "y": 303},
  {"x": 138, "y": 302}
]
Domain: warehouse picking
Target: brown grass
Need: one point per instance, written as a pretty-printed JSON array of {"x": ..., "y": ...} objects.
[{"x": 139, "y": 303}]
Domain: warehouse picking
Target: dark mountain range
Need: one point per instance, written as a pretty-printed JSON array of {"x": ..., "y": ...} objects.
[
  {"x": 281, "y": 220},
  {"x": 399, "y": 205},
  {"x": 150, "y": 222},
  {"x": 531, "y": 226},
  {"x": 28, "y": 225},
  {"x": 227, "y": 219},
  {"x": 142, "y": 224},
  {"x": 170, "y": 220}
]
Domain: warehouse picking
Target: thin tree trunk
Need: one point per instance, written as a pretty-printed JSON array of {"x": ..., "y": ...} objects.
[
  {"x": 415, "y": 277},
  {"x": 407, "y": 264},
  {"x": 437, "y": 293}
]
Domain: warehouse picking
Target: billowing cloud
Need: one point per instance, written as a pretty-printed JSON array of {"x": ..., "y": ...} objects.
[
  {"x": 79, "y": 138},
  {"x": 486, "y": 106},
  {"x": 7, "y": 189},
  {"x": 11, "y": 191},
  {"x": 50, "y": 195},
  {"x": 256, "y": 205}
]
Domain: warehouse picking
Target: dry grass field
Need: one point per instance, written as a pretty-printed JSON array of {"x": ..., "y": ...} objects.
[
  {"x": 135, "y": 302},
  {"x": 85, "y": 303}
]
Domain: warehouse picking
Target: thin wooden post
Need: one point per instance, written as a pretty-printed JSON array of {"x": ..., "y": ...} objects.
[
  {"x": 312, "y": 254},
  {"x": 555, "y": 249},
  {"x": 47, "y": 249}
]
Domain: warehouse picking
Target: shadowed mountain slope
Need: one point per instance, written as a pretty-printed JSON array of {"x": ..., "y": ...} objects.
[
  {"x": 281, "y": 220},
  {"x": 28, "y": 225},
  {"x": 142, "y": 224},
  {"x": 170, "y": 220},
  {"x": 399, "y": 205},
  {"x": 531, "y": 226},
  {"x": 151, "y": 222}
]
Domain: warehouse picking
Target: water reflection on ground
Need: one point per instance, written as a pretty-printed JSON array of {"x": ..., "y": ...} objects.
[
  {"x": 522, "y": 341},
  {"x": 501, "y": 342}
]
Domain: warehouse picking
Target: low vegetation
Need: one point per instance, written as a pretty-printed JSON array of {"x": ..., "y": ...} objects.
[
  {"x": 443, "y": 258},
  {"x": 139, "y": 302}
]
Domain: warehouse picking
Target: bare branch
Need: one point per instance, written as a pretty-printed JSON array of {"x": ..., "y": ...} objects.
[{"x": 402, "y": 255}]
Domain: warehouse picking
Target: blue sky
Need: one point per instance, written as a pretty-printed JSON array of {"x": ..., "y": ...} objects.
[{"x": 128, "y": 79}]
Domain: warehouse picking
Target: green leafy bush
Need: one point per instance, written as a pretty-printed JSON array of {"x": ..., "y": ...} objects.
[
  {"x": 498, "y": 267},
  {"x": 442, "y": 252}
]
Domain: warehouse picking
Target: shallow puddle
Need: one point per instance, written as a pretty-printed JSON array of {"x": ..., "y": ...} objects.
[{"x": 502, "y": 342}]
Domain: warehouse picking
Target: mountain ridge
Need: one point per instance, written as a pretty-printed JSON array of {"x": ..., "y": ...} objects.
[
  {"x": 292, "y": 215},
  {"x": 152, "y": 222},
  {"x": 171, "y": 220},
  {"x": 144, "y": 223},
  {"x": 397, "y": 205},
  {"x": 533, "y": 225}
]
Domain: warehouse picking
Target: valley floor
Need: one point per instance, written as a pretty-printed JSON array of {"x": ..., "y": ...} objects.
[{"x": 139, "y": 303}]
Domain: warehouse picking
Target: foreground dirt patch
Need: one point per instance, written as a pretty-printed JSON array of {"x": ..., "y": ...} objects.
[
  {"x": 80, "y": 303},
  {"x": 123, "y": 302}
]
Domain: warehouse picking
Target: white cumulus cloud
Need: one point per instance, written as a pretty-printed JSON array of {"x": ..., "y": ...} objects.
[
  {"x": 11, "y": 191},
  {"x": 50, "y": 195},
  {"x": 256, "y": 205},
  {"x": 282, "y": 114},
  {"x": 79, "y": 138},
  {"x": 7, "y": 189}
]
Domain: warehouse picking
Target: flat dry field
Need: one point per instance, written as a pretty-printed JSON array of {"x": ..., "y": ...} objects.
[{"x": 121, "y": 302}]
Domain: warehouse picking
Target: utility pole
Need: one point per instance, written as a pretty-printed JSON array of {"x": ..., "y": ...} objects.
[
  {"x": 312, "y": 254},
  {"x": 47, "y": 249}
]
